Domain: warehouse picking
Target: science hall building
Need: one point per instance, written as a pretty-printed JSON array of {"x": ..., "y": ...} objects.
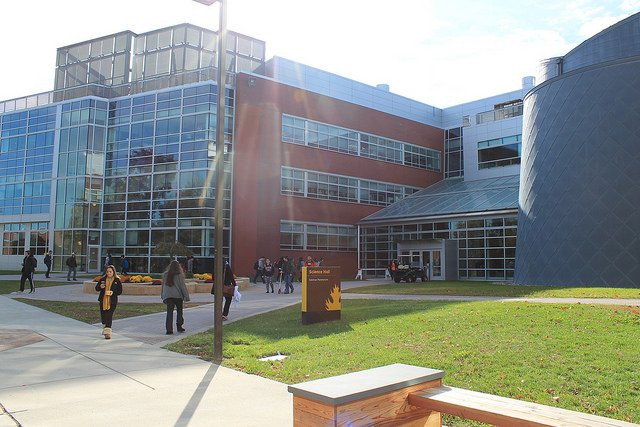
[{"x": 120, "y": 157}]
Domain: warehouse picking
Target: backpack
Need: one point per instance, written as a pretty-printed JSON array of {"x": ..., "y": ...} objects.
[
  {"x": 255, "y": 266},
  {"x": 35, "y": 263}
]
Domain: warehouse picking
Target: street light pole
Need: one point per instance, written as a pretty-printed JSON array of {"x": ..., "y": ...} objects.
[{"x": 218, "y": 270}]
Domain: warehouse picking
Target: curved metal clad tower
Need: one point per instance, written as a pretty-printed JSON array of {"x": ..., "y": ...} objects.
[{"x": 579, "y": 215}]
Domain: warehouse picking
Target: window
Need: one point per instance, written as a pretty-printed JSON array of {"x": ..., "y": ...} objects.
[
  {"x": 13, "y": 242},
  {"x": 316, "y": 185},
  {"x": 320, "y": 237},
  {"x": 502, "y": 111},
  {"x": 454, "y": 156},
  {"x": 499, "y": 152},
  {"x": 296, "y": 130},
  {"x": 39, "y": 238}
]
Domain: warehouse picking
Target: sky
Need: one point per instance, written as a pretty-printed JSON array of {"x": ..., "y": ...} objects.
[{"x": 440, "y": 52}]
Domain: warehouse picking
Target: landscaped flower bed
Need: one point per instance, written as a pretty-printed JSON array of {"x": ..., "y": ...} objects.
[
  {"x": 148, "y": 288},
  {"x": 138, "y": 279},
  {"x": 207, "y": 277}
]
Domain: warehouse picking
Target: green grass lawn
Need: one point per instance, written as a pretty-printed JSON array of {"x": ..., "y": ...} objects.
[
  {"x": 578, "y": 357},
  {"x": 88, "y": 312},
  {"x": 8, "y": 286},
  {"x": 9, "y": 272},
  {"x": 467, "y": 288}
]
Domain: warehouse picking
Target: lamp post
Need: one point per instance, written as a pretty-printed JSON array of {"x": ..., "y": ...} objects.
[{"x": 218, "y": 270}]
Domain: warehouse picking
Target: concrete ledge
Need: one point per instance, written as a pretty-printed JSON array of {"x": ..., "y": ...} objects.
[
  {"x": 193, "y": 286},
  {"x": 347, "y": 388}
]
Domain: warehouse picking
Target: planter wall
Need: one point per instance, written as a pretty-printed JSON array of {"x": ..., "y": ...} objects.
[{"x": 194, "y": 287}]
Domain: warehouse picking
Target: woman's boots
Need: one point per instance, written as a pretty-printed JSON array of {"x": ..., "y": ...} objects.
[{"x": 107, "y": 333}]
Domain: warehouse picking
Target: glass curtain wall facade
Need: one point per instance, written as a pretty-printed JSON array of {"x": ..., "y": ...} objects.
[
  {"x": 132, "y": 124},
  {"x": 486, "y": 246},
  {"x": 130, "y": 173},
  {"x": 79, "y": 180},
  {"x": 26, "y": 159},
  {"x": 160, "y": 174}
]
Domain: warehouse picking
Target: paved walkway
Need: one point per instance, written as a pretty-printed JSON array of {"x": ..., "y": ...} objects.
[
  {"x": 150, "y": 328},
  {"x": 55, "y": 371}
]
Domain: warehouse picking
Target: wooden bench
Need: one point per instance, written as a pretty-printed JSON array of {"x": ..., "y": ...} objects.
[
  {"x": 405, "y": 395},
  {"x": 502, "y": 411}
]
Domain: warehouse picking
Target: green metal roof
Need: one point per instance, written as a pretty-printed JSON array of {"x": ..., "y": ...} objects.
[{"x": 453, "y": 197}]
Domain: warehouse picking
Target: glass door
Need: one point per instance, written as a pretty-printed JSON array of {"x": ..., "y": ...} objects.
[
  {"x": 436, "y": 265},
  {"x": 93, "y": 266}
]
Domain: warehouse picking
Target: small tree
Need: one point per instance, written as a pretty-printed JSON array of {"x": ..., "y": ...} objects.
[{"x": 173, "y": 249}]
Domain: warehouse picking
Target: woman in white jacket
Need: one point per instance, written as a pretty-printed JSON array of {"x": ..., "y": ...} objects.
[{"x": 174, "y": 292}]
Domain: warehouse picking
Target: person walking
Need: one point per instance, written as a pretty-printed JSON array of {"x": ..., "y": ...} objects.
[
  {"x": 190, "y": 264},
  {"x": 287, "y": 269},
  {"x": 72, "y": 265},
  {"x": 228, "y": 289},
  {"x": 109, "y": 287},
  {"x": 174, "y": 292},
  {"x": 258, "y": 266},
  {"x": 268, "y": 272},
  {"x": 124, "y": 264},
  {"x": 299, "y": 266},
  {"x": 47, "y": 262},
  {"x": 107, "y": 261},
  {"x": 29, "y": 264}
]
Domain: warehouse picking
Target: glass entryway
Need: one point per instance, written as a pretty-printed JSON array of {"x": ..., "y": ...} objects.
[{"x": 429, "y": 260}]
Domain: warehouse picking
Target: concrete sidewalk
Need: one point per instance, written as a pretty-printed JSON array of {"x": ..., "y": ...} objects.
[
  {"x": 56, "y": 371},
  {"x": 151, "y": 328}
]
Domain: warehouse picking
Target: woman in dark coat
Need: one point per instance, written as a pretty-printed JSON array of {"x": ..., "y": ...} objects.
[
  {"x": 109, "y": 287},
  {"x": 230, "y": 285},
  {"x": 228, "y": 289}
]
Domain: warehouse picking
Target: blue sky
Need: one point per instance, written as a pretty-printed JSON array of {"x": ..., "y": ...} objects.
[{"x": 436, "y": 51}]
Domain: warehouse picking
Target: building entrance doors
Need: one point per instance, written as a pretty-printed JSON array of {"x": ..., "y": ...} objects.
[
  {"x": 93, "y": 263},
  {"x": 429, "y": 260}
]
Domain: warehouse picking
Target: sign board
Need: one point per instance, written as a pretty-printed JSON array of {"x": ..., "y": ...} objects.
[{"x": 321, "y": 294}]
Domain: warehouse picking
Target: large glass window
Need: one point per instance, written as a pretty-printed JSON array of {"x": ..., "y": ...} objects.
[
  {"x": 39, "y": 238},
  {"x": 502, "y": 111},
  {"x": 499, "y": 152},
  {"x": 319, "y": 237},
  {"x": 454, "y": 159},
  {"x": 13, "y": 239},
  {"x": 316, "y": 185},
  {"x": 297, "y": 130},
  {"x": 486, "y": 247}
]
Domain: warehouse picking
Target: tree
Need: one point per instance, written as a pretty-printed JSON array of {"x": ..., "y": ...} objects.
[{"x": 172, "y": 249}]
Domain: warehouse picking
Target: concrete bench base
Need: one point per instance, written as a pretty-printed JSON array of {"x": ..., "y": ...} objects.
[{"x": 193, "y": 286}]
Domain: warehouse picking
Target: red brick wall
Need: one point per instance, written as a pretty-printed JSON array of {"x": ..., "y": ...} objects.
[{"x": 259, "y": 154}]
